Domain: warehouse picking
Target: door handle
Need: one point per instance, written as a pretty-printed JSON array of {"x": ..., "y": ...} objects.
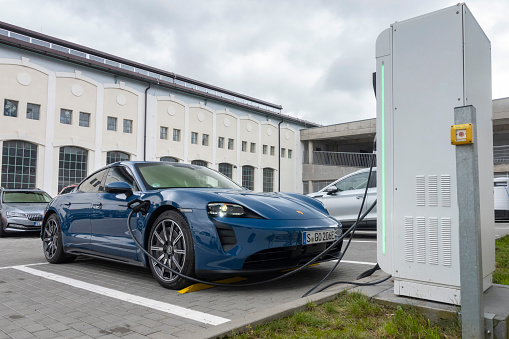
[
  {"x": 97, "y": 206},
  {"x": 67, "y": 204}
]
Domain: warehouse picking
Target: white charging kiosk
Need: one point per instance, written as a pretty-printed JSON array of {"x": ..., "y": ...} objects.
[{"x": 427, "y": 66}]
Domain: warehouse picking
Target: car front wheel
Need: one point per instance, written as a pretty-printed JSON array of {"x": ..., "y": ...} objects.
[
  {"x": 171, "y": 243},
  {"x": 52, "y": 242}
]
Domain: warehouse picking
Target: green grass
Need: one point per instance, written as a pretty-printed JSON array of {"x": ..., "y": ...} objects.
[
  {"x": 353, "y": 315},
  {"x": 501, "y": 274}
]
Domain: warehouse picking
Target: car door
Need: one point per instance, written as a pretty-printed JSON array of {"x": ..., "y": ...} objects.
[
  {"x": 109, "y": 226},
  {"x": 370, "y": 199},
  {"x": 77, "y": 211},
  {"x": 344, "y": 204}
]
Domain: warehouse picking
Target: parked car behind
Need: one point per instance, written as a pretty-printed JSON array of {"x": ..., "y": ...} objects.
[
  {"x": 501, "y": 198},
  {"x": 22, "y": 209},
  {"x": 67, "y": 189},
  {"x": 343, "y": 199}
]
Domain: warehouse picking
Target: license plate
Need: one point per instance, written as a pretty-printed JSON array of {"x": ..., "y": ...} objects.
[
  {"x": 38, "y": 223},
  {"x": 315, "y": 237}
]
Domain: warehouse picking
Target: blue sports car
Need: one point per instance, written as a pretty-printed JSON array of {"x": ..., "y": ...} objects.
[{"x": 199, "y": 223}]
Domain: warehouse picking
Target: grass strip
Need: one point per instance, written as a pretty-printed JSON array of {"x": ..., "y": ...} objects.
[
  {"x": 353, "y": 315},
  {"x": 501, "y": 274}
]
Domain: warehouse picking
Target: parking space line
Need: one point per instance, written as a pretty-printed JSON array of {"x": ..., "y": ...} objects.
[
  {"x": 150, "y": 303},
  {"x": 40, "y": 263},
  {"x": 370, "y": 241},
  {"x": 359, "y": 262}
]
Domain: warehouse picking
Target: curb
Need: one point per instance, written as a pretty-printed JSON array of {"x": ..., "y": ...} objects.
[{"x": 247, "y": 323}]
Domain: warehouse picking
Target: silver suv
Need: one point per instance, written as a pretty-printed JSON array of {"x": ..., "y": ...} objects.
[
  {"x": 343, "y": 199},
  {"x": 22, "y": 209}
]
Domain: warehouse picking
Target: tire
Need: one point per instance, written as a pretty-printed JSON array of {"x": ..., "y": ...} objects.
[
  {"x": 170, "y": 240},
  {"x": 2, "y": 232},
  {"x": 52, "y": 242}
]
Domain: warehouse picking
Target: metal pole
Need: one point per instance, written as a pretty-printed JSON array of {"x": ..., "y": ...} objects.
[{"x": 471, "y": 279}]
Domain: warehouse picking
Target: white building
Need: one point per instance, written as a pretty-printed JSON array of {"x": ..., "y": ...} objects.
[{"x": 69, "y": 110}]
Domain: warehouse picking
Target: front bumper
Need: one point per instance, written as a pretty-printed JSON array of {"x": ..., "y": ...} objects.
[
  {"x": 19, "y": 224},
  {"x": 234, "y": 245}
]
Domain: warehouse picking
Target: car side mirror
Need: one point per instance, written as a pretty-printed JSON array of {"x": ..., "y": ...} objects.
[
  {"x": 119, "y": 187},
  {"x": 331, "y": 190}
]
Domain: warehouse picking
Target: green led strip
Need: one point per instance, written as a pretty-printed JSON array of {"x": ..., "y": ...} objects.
[{"x": 383, "y": 158}]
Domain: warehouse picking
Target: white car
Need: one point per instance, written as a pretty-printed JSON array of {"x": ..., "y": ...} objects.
[
  {"x": 343, "y": 199},
  {"x": 501, "y": 198}
]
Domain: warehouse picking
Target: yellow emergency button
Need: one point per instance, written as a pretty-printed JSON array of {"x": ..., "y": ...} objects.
[{"x": 462, "y": 134}]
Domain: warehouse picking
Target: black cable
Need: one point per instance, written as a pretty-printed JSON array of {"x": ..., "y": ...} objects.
[
  {"x": 352, "y": 232},
  {"x": 140, "y": 246}
]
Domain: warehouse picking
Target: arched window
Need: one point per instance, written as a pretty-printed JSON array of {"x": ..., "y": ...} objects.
[
  {"x": 248, "y": 177},
  {"x": 268, "y": 179},
  {"x": 226, "y": 169},
  {"x": 199, "y": 163},
  {"x": 72, "y": 166},
  {"x": 169, "y": 159},
  {"x": 115, "y": 156},
  {"x": 19, "y": 164}
]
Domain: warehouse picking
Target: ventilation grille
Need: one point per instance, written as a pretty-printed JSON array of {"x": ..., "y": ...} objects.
[
  {"x": 421, "y": 239},
  {"x": 409, "y": 239},
  {"x": 445, "y": 187},
  {"x": 420, "y": 191},
  {"x": 433, "y": 190},
  {"x": 446, "y": 241},
  {"x": 34, "y": 217},
  {"x": 433, "y": 241}
]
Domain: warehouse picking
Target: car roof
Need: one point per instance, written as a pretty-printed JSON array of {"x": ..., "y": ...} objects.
[{"x": 22, "y": 190}]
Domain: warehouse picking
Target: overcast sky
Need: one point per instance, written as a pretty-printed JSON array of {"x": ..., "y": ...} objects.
[{"x": 315, "y": 58}]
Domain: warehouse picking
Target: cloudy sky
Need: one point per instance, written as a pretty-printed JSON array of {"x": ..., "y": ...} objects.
[{"x": 315, "y": 58}]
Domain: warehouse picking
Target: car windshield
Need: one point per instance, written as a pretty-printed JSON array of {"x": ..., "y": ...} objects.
[
  {"x": 26, "y": 197},
  {"x": 166, "y": 175}
]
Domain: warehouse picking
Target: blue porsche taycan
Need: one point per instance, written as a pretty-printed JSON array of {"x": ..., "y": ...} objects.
[{"x": 199, "y": 223}]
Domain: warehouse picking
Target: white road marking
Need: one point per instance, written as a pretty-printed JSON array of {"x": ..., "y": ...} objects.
[
  {"x": 371, "y": 241},
  {"x": 359, "y": 262},
  {"x": 154, "y": 304},
  {"x": 41, "y": 263}
]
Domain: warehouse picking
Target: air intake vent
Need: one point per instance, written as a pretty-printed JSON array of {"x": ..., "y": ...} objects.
[
  {"x": 226, "y": 236},
  {"x": 421, "y": 239},
  {"x": 446, "y": 241},
  {"x": 445, "y": 186},
  {"x": 433, "y": 241},
  {"x": 433, "y": 190},
  {"x": 409, "y": 239},
  {"x": 420, "y": 190}
]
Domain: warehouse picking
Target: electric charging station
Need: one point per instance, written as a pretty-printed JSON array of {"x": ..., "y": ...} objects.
[{"x": 426, "y": 67}]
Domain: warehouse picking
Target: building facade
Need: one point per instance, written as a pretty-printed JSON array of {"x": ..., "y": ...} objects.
[
  {"x": 68, "y": 110},
  {"x": 331, "y": 152}
]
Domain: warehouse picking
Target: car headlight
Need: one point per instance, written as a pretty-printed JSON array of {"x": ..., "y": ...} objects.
[
  {"x": 221, "y": 209},
  {"x": 15, "y": 214}
]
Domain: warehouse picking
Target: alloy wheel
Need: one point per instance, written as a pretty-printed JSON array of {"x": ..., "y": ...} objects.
[{"x": 168, "y": 245}]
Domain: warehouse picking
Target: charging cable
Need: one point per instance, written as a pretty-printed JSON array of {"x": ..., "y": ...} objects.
[{"x": 142, "y": 206}]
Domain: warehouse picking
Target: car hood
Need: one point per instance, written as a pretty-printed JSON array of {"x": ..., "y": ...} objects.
[
  {"x": 25, "y": 207},
  {"x": 279, "y": 206},
  {"x": 316, "y": 194}
]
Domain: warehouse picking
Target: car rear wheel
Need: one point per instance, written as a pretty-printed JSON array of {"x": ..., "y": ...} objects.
[
  {"x": 52, "y": 242},
  {"x": 171, "y": 243}
]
